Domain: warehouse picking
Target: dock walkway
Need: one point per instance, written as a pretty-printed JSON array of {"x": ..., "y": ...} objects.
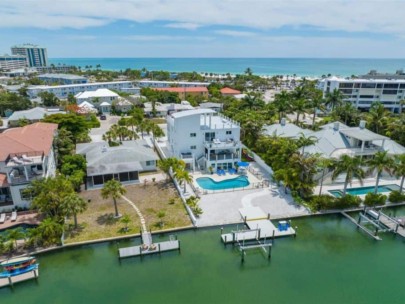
[
  {"x": 10, "y": 281},
  {"x": 148, "y": 247},
  {"x": 260, "y": 227},
  {"x": 391, "y": 223}
]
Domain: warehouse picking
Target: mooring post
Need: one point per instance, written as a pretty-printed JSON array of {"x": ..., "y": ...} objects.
[
  {"x": 258, "y": 234},
  {"x": 225, "y": 241},
  {"x": 159, "y": 247},
  {"x": 243, "y": 255},
  {"x": 396, "y": 228},
  {"x": 269, "y": 253},
  {"x": 376, "y": 231},
  {"x": 268, "y": 216},
  {"x": 273, "y": 236},
  {"x": 179, "y": 245}
]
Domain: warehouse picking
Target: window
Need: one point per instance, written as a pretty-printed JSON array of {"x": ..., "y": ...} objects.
[
  {"x": 391, "y": 86},
  {"x": 402, "y": 86},
  {"x": 366, "y": 96},
  {"x": 209, "y": 136},
  {"x": 346, "y": 85},
  {"x": 150, "y": 162},
  {"x": 193, "y": 147},
  {"x": 228, "y": 132},
  {"x": 25, "y": 196},
  {"x": 379, "y": 85},
  {"x": 133, "y": 175},
  {"x": 390, "y": 92},
  {"x": 124, "y": 177},
  {"x": 98, "y": 179},
  {"x": 193, "y": 134},
  {"x": 368, "y": 85}
]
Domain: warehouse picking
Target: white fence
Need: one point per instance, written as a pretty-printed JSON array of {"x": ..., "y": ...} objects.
[{"x": 259, "y": 161}]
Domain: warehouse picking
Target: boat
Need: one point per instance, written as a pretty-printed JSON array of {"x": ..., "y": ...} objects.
[{"x": 18, "y": 266}]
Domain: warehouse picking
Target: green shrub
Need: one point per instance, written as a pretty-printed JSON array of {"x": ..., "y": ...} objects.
[
  {"x": 347, "y": 201},
  {"x": 321, "y": 202},
  {"x": 374, "y": 199},
  {"x": 396, "y": 197},
  {"x": 1, "y": 122}
]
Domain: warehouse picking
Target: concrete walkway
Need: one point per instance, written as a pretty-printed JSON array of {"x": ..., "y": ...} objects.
[{"x": 143, "y": 223}]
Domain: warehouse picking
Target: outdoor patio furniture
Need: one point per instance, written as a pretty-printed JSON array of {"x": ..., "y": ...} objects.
[
  {"x": 17, "y": 161},
  {"x": 25, "y": 158},
  {"x": 219, "y": 172},
  {"x": 2, "y": 218},
  {"x": 13, "y": 216}
]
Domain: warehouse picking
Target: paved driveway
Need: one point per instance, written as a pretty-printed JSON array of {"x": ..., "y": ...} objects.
[{"x": 96, "y": 134}]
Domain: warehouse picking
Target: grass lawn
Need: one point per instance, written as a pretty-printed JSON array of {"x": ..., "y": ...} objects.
[
  {"x": 158, "y": 120},
  {"x": 98, "y": 220}
]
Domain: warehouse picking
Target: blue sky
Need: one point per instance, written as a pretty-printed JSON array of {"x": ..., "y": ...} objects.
[{"x": 206, "y": 28}]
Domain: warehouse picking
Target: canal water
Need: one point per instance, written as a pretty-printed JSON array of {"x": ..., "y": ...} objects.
[{"x": 329, "y": 262}]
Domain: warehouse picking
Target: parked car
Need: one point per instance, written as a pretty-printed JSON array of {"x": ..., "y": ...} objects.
[{"x": 103, "y": 117}]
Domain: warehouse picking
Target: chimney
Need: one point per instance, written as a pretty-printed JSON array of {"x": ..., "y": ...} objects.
[
  {"x": 282, "y": 121},
  {"x": 336, "y": 126},
  {"x": 362, "y": 124}
]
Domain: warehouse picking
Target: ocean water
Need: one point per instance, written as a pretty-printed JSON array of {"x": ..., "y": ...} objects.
[
  {"x": 329, "y": 261},
  {"x": 260, "y": 66}
]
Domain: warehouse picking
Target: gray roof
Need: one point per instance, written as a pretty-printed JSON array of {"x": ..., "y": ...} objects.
[
  {"x": 287, "y": 130},
  {"x": 207, "y": 105},
  {"x": 192, "y": 112},
  {"x": 34, "y": 114},
  {"x": 391, "y": 146},
  {"x": 64, "y": 76},
  {"x": 362, "y": 134},
  {"x": 102, "y": 159}
]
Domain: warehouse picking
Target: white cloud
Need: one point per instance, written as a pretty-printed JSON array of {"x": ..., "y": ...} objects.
[
  {"x": 184, "y": 25},
  {"x": 379, "y": 16},
  {"x": 232, "y": 33},
  {"x": 165, "y": 38}
]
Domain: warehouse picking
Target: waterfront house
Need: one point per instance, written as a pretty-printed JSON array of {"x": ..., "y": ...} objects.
[
  {"x": 203, "y": 138},
  {"x": 26, "y": 154},
  {"x": 32, "y": 115},
  {"x": 123, "y": 163},
  {"x": 163, "y": 109},
  {"x": 285, "y": 129}
]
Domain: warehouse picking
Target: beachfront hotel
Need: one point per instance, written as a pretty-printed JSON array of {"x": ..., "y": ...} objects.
[
  {"x": 169, "y": 84},
  {"x": 362, "y": 92},
  {"x": 12, "y": 62},
  {"x": 26, "y": 154},
  {"x": 62, "y": 91},
  {"x": 62, "y": 79},
  {"x": 203, "y": 138},
  {"x": 35, "y": 56}
]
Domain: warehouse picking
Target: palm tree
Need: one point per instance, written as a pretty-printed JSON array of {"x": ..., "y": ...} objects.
[
  {"x": 171, "y": 162},
  {"x": 161, "y": 214},
  {"x": 252, "y": 101},
  {"x": 304, "y": 141},
  {"x": 288, "y": 176},
  {"x": 282, "y": 104},
  {"x": 126, "y": 219},
  {"x": 377, "y": 117},
  {"x": 50, "y": 231},
  {"x": 74, "y": 204},
  {"x": 183, "y": 176},
  {"x": 249, "y": 72},
  {"x": 14, "y": 235},
  {"x": 113, "y": 189},
  {"x": 334, "y": 98},
  {"x": 399, "y": 169},
  {"x": 324, "y": 163},
  {"x": 299, "y": 106},
  {"x": 316, "y": 103},
  {"x": 381, "y": 162},
  {"x": 352, "y": 166}
]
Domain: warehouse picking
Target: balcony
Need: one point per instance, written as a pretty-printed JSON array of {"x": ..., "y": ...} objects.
[
  {"x": 217, "y": 144},
  {"x": 22, "y": 159},
  {"x": 187, "y": 155},
  {"x": 223, "y": 156}
]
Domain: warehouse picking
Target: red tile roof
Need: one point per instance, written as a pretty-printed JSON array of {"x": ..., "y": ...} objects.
[
  {"x": 229, "y": 91},
  {"x": 37, "y": 137},
  {"x": 187, "y": 90}
]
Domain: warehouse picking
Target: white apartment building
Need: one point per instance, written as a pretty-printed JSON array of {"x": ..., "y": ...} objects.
[
  {"x": 62, "y": 91},
  {"x": 169, "y": 84},
  {"x": 203, "y": 138},
  {"x": 363, "y": 92},
  {"x": 12, "y": 62},
  {"x": 26, "y": 154},
  {"x": 102, "y": 99},
  {"x": 35, "y": 56}
]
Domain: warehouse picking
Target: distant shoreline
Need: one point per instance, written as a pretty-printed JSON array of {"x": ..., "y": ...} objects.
[{"x": 303, "y": 67}]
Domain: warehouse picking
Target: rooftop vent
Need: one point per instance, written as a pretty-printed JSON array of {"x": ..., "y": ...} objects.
[
  {"x": 336, "y": 126},
  {"x": 362, "y": 124},
  {"x": 282, "y": 121}
]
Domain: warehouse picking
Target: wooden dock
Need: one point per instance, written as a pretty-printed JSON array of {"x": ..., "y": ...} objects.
[
  {"x": 148, "y": 247},
  {"x": 260, "y": 227},
  {"x": 10, "y": 281}
]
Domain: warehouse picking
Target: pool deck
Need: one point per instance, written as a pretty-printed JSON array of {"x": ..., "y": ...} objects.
[
  {"x": 22, "y": 218},
  {"x": 366, "y": 183}
]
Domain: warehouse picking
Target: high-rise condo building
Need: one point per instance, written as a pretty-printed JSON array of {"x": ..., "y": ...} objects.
[{"x": 36, "y": 56}]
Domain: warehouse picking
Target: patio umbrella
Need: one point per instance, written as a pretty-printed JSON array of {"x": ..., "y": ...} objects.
[{"x": 243, "y": 164}]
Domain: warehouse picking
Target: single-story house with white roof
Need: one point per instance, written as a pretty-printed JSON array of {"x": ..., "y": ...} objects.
[
  {"x": 285, "y": 129},
  {"x": 123, "y": 163},
  {"x": 33, "y": 115}
]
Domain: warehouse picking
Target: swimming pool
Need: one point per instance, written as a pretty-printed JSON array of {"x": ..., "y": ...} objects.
[
  {"x": 209, "y": 184},
  {"x": 365, "y": 190}
]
